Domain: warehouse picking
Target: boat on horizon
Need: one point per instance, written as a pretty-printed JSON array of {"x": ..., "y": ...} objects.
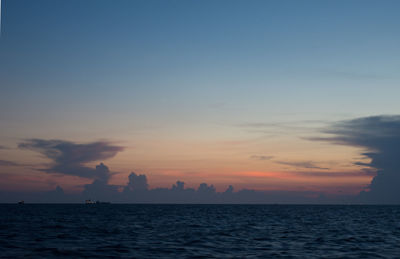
[
  {"x": 96, "y": 202},
  {"x": 102, "y": 202}
]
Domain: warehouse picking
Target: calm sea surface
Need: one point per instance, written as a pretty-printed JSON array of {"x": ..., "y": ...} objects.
[{"x": 165, "y": 231}]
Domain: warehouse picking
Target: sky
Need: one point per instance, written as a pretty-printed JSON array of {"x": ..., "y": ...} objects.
[{"x": 253, "y": 94}]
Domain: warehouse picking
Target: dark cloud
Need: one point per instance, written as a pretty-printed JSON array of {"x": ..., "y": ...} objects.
[
  {"x": 206, "y": 189},
  {"x": 100, "y": 189},
  {"x": 8, "y": 163},
  {"x": 379, "y": 136},
  {"x": 302, "y": 164},
  {"x": 4, "y": 147},
  {"x": 229, "y": 190},
  {"x": 70, "y": 158},
  {"x": 136, "y": 183},
  {"x": 255, "y": 157},
  {"x": 179, "y": 186}
]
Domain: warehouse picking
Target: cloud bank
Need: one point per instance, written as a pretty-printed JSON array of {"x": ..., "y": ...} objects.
[
  {"x": 379, "y": 136},
  {"x": 69, "y": 158},
  {"x": 137, "y": 191}
]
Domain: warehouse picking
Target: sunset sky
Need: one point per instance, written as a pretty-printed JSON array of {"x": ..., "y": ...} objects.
[{"x": 241, "y": 93}]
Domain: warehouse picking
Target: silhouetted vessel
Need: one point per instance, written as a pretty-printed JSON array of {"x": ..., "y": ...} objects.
[
  {"x": 21, "y": 202},
  {"x": 102, "y": 202},
  {"x": 95, "y": 202}
]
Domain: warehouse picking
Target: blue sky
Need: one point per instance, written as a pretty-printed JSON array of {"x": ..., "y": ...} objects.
[
  {"x": 308, "y": 56},
  {"x": 178, "y": 71}
]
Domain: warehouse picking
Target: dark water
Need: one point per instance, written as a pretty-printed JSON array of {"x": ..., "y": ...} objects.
[{"x": 165, "y": 231}]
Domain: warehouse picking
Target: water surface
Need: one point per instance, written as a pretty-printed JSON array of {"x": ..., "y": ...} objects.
[{"x": 164, "y": 231}]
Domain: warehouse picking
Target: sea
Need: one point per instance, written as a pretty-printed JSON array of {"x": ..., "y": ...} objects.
[{"x": 198, "y": 231}]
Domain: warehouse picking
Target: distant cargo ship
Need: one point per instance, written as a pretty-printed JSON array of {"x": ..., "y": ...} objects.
[
  {"x": 21, "y": 202},
  {"x": 95, "y": 202}
]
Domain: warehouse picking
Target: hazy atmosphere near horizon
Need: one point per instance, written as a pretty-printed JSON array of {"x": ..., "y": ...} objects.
[{"x": 200, "y": 101}]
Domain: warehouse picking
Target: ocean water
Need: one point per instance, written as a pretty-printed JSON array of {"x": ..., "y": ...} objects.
[{"x": 207, "y": 231}]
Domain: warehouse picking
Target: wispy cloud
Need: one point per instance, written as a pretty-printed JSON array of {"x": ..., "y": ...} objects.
[
  {"x": 302, "y": 164},
  {"x": 301, "y": 126},
  {"x": 334, "y": 174},
  {"x": 9, "y": 163},
  {"x": 353, "y": 75},
  {"x": 257, "y": 157}
]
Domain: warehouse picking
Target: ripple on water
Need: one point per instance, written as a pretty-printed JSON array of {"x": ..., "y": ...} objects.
[{"x": 162, "y": 231}]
